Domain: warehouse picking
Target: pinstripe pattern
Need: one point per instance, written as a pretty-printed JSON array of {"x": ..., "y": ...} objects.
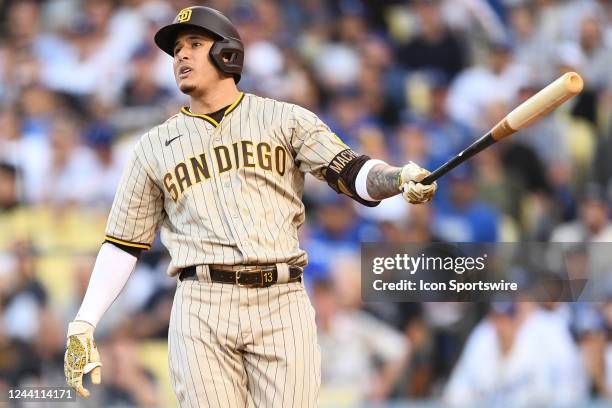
[
  {"x": 230, "y": 193},
  {"x": 138, "y": 206},
  {"x": 247, "y": 215},
  {"x": 227, "y": 343}
]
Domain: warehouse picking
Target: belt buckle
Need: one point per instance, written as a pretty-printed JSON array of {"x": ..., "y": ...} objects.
[
  {"x": 249, "y": 270},
  {"x": 238, "y": 278}
]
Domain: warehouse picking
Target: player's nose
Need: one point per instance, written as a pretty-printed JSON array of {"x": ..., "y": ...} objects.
[{"x": 181, "y": 55}]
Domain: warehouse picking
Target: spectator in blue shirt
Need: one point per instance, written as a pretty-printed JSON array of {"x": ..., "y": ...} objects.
[{"x": 462, "y": 217}]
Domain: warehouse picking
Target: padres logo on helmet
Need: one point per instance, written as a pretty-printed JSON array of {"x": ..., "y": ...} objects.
[{"x": 184, "y": 15}]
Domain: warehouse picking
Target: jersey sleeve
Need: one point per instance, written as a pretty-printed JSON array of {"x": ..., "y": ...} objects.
[
  {"x": 138, "y": 207},
  {"x": 320, "y": 152},
  {"x": 314, "y": 143}
]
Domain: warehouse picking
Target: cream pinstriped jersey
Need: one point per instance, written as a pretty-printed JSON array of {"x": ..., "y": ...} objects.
[{"x": 224, "y": 193}]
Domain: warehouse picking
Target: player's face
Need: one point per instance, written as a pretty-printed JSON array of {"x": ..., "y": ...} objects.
[{"x": 193, "y": 69}]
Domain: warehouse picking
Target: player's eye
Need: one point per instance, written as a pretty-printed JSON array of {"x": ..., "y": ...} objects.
[
  {"x": 176, "y": 50},
  {"x": 196, "y": 44}
]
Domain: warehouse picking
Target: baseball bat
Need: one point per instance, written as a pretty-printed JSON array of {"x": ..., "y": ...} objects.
[{"x": 549, "y": 98}]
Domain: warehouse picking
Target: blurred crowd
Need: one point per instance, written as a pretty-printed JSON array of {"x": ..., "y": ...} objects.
[{"x": 81, "y": 80}]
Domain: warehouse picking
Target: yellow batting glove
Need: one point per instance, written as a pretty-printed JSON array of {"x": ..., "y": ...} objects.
[
  {"x": 413, "y": 191},
  {"x": 81, "y": 357}
]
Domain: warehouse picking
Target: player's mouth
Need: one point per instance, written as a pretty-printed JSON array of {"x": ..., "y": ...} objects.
[{"x": 184, "y": 71}]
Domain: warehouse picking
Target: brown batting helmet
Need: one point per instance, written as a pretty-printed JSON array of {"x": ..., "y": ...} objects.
[{"x": 227, "y": 52}]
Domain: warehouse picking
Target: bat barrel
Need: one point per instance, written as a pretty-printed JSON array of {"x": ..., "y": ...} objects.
[{"x": 559, "y": 91}]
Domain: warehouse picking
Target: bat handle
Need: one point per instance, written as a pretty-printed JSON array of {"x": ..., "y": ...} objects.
[
  {"x": 436, "y": 174},
  {"x": 476, "y": 147}
]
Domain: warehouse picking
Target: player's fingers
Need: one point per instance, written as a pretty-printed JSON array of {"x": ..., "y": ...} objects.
[
  {"x": 419, "y": 189},
  {"x": 411, "y": 194},
  {"x": 426, "y": 191},
  {"x": 95, "y": 370},
  {"x": 94, "y": 360},
  {"x": 420, "y": 174},
  {"x": 78, "y": 387},
  {"x": 425, "y": 187},
  {"x": 411, "y": 189},
  {"x": 415, "y": 198},
  {"x": 82, "y": 391},
  {"x": 413, "y": 172},
  {"x": 417, "y": 193},
  {"x": 96, "y": 375}
]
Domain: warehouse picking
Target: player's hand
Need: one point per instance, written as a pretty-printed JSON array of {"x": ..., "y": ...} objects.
[
  {"x": 81, "y": 357},
  {"x": 413, "y": 191}
]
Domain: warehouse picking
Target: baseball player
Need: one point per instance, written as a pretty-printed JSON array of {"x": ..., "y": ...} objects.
[{"x": 223, "y": 179}]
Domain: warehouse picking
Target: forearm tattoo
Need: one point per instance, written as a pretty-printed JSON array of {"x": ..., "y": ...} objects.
[{"x": 383, "y": 181}]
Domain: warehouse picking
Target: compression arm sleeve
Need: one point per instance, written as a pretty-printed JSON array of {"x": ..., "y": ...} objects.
[{"x": 110, "y": 274}]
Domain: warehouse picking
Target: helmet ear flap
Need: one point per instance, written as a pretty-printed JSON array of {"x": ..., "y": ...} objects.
[{"x": 228, "y": 56}]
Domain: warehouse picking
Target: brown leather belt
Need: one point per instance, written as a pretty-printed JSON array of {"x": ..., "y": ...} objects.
[{"x": 249, "y": 276}]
